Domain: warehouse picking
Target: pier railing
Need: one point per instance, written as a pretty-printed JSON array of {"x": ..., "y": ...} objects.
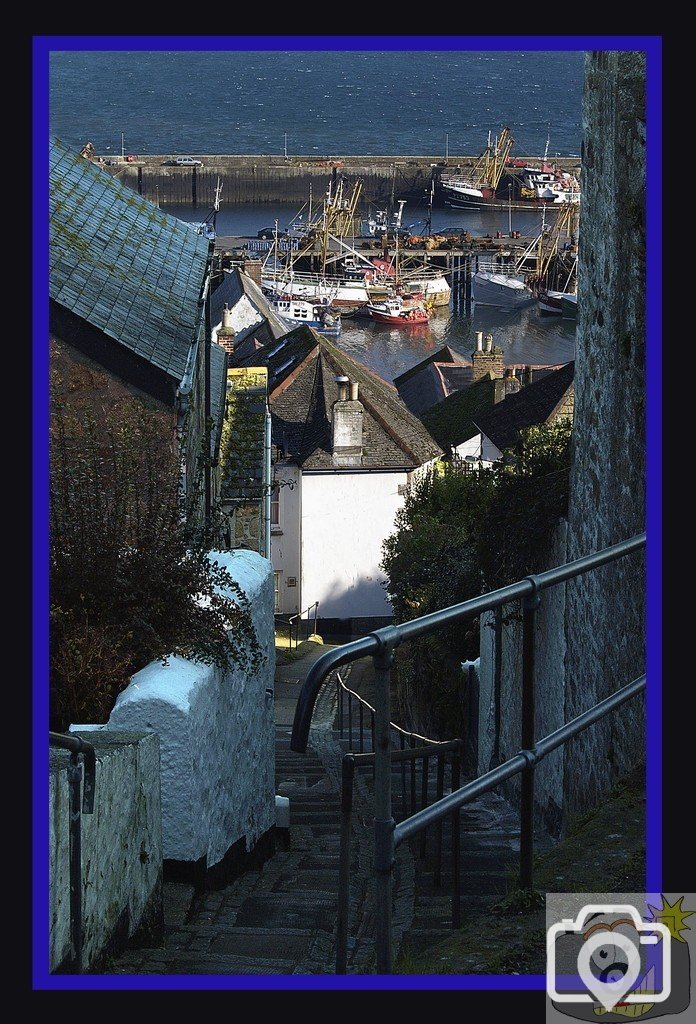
[{"x": 380, "y": 645}]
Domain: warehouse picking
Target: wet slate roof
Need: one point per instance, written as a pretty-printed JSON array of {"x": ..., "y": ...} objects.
[
  {"x": 532, "y": 405},
  {"x": 451, "y": 421},
  {"x": 301, "y": 381},
  {"x": 121, "y": 264}
]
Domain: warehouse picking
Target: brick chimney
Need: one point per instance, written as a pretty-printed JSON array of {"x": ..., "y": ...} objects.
[
  {"x": 347, "y": 432},
  {"x": 226, "y": 334},
  {"x": 526, "y": 376},
  {"x": 511, "y": 383},
  {"x": 486, "y": 360}
]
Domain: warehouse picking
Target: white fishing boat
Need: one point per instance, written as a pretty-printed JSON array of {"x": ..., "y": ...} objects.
[
  {"x": 320, "y": 315},
  {"x": 491, "y": 289}
]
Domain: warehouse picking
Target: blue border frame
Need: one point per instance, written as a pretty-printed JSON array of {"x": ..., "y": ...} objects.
[{"x": 42, "y": 47}]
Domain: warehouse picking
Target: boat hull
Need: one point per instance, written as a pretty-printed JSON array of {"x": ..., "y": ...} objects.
[
  {"x": 569, "y": 308},
  {"x": 497, "y": 290},
  {"x": 550, "y": 302},
  {"x": 399, "y": 320}
]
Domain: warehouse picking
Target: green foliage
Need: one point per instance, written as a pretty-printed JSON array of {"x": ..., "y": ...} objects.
[
  {"x": 461, "y": 533},
  {"x": 128, "y": 581}
]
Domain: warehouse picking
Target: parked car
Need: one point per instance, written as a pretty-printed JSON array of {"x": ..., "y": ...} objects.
[
  {"x": 187, "y": 161},
  {"x": 270, "y": 233}
]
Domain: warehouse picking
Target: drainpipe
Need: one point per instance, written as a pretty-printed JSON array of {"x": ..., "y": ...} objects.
[{"x": 267, "y": 486}]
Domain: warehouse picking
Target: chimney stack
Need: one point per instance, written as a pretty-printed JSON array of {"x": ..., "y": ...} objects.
[
  {"x": 343, "y": 383},
  {"x": 226, "y": 334},
  {"x": 526, "y": 376},
  {"x": 510, "y": 382},
  {"x": 347, "y": 433},
  {"x": 486, "y": 361}
]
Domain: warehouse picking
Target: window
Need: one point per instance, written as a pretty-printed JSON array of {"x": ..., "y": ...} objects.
[
  {"x": 275, "y": 505},
  {"x": 276, "y": 592}
]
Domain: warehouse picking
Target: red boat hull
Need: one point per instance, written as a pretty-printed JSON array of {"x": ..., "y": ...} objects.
[{"x": 400, "y": 321}]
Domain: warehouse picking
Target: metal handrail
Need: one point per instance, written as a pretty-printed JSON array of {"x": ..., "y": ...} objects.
[
  {"x": 77, "y": 747},
  {"x": 298, "y": 615},
  {"x": 389, "y": 637},
  {"x": 522, "y": 761},
  {"x": 382, "y": 643}
]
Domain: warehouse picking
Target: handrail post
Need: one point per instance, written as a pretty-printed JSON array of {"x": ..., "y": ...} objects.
[
  {"x": 75, "y": 845},
  {"x": 384, "y": 822},
  {"x": 347, "y": 774},
  {"x": 530, "y": 603}
]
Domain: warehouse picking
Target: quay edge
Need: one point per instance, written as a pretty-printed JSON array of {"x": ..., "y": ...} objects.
[{"x": 273, "y": 179}]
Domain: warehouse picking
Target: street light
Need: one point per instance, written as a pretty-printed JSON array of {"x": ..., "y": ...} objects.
[
  {"x": 446, "y": 146},
  {"x": 510, "y": 209}
]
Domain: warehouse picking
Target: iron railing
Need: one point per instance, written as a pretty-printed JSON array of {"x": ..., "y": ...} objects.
[
  {"x": 441, "y": 750},
  {"x": 292, "y": 625},
  {"x": 77, "y": 747},
  {"x": 381, "y": 646}
]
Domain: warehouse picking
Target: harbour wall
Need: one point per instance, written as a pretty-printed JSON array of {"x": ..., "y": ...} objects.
[{"x": 273, "y": 179}]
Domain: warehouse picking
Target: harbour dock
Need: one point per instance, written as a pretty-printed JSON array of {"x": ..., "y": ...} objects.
[{"x": 275, "y": 179}]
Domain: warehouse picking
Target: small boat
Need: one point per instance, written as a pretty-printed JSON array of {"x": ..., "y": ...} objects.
[
  {"x": 320, "y": 316},
  {"x": 490, "y": 289},
  {"x": 550, "y": 302},
  {"x": 395, "y": 312},
  {"x": 569, "y": 306}
]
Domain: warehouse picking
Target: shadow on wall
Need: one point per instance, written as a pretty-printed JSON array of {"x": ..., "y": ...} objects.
[{"x": 361, "y": 597}]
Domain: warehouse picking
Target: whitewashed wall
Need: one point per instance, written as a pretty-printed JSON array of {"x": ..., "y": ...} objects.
[
  {"x": 345, "y": 519},
  {"x": 481, "y": 447},
  {"x": 285, "y": 538},
  {"x": 121, "y": 844},
  {"x": 216, "y": 734}
]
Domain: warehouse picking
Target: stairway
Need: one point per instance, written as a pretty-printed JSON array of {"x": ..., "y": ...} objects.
[{"x": 280, "y": 919}]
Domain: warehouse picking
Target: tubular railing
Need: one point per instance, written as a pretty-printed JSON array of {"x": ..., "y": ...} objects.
[
  {"x": 381, "y": 645},
  {"x": 441, "y": 750},
  {"x": 77, "y": 747},
  {"x": 297, "y": 618}
]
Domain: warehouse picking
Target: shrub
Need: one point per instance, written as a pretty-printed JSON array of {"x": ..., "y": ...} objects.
[
  {"x": 458, "y": 535},
  {"x": 129, "y": 582}
]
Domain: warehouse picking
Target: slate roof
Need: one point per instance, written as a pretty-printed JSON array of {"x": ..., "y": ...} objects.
[
  {"x": 433, "y": 379},
  {"x": 301, "y": 381},
  {"x": 533, "y": 404},
  {"x": 121, "y": 264},
  {"x": 218, "y": 381},
  {"x": 251, "y": 315},
  {"x": 451, "y": 421}
]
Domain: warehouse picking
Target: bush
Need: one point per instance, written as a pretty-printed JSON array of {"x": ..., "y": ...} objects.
[
  {"x": 129, "y": 584},
  {"x": 460, "y": 534}
]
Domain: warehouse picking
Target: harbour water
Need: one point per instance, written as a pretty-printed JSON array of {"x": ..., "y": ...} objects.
[
  {"x": 315, "y": 102},
  {"x": 525, "y": 335}
]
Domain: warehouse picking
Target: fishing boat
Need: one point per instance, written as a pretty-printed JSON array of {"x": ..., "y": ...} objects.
[
  {"x": 550, "y": 301},
  {"x": 320, "y": 316},
  {"x": 491, "y": 289},
  {"x": 569, "y": 307},
  {"x": 398, "y": 313},
  {"x": 477, "y": 189}
]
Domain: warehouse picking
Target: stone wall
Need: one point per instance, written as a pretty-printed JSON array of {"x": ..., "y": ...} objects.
[
  {"x": 500, "y": 688},
  {"x": 216, "y": 736},
  {"x": 605, "y": 609},
  {"x": 591, "y": 632},
  {"x": 121, "y": 847}
]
